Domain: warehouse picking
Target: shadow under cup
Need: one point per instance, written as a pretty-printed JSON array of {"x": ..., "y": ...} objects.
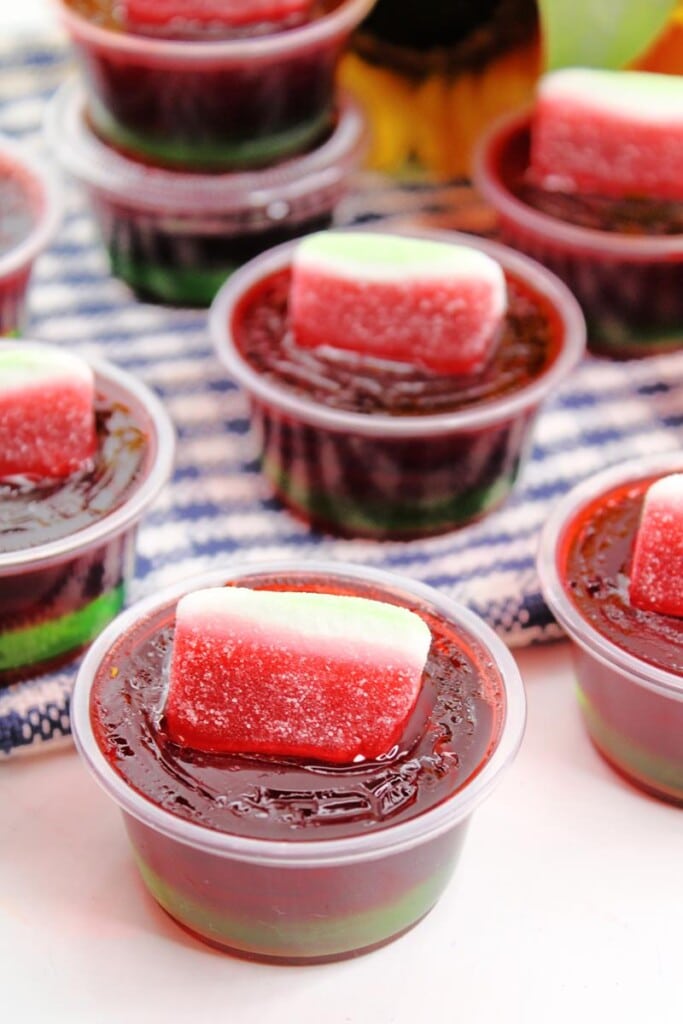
[
  {"x": 388, "y": 476},
  {"x": 303, "y": 900}
]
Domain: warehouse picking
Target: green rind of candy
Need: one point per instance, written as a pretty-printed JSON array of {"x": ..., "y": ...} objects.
[
  {"x": 650, "y": 770},
  {"x": 212, "y": 156},
  {"x": 312, "y": 938},
  {"x": 48, "y": 640},
  {"x": 14, "y": 332},
  {"x": 180, "y": 286},
  {"x": 384, "y": 517}
]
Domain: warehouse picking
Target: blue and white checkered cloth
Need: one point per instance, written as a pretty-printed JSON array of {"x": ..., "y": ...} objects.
[{"x": 218, "y": 508}]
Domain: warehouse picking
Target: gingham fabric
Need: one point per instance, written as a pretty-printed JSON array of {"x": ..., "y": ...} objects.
[{"x": 218, "y": 508}]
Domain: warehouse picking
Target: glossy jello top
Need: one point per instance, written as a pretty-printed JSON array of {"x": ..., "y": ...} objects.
[
  {"x": 530, "y": 342},
  {"x": 450, "y": 735},
  {"x": 110, "y": 14},
  {"x": 594, "y": 560},
  {"x": 17, "y": 213},
  {"x": 35, "y": 513}
]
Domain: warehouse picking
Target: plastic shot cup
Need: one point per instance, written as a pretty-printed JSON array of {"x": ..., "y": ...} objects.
[
  {"x": 312, "y": 897},
  {"x": 630, "y": 286},
  {"x": 175, "y": 236},
  {"x": 213, "y": 104},
  {"x": 629, "y": 691},
  {"x": 31, "y": 210},
  {"x": 393, "y": 476},
  {"x": 58, "y": 593}
]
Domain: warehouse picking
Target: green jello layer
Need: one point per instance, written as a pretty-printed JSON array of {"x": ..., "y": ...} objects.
[
  {"x": 311, "y": 937},
  {"x": 614, "y": 338},
  {"x": 179, "y": 286},
  {"x": 48, "y": 640},
  {"x": 649, "y": 770},
  {"x": 212, "y": 156},
  {"x": 384, "y": 518}
]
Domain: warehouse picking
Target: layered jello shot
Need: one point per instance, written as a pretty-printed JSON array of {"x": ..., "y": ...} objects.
[
  {"x": 394, "y": 380},
  {"x": 610, "y": 567},
  {"x": 84, "y": 449},
  {"x": 297, "y": 751},
  {"x": 588, "y": 182},
  {"x": 210, "y": 84},
  {"x": 176, "y": 236},
  {"x": 30, "y": 208}
]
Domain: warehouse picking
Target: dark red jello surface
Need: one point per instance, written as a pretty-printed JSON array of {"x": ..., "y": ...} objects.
[
  {"x": 529, "y": 344},
  {"x": 595, "y": 558},
  {"x": 452, "y": 730}
]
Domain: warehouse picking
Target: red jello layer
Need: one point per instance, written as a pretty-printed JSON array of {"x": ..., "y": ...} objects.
[{"x": 595, "y": 557}]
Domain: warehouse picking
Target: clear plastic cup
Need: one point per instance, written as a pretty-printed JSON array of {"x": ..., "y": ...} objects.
[
  {"x": 301, "y": 900},
  {"x": 388, "y": 476},
  {"x": 632, "y": 708},
  {"x": 221, "y": 105},
  {"x": 35, "y": 207},
  {"x": 175, "y": 236},
  {"x": 630, "y": 287},
  {"x": 56, "y": 596}
]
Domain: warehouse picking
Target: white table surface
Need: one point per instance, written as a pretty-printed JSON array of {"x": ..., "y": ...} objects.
[{"x": 567, "y": 905}]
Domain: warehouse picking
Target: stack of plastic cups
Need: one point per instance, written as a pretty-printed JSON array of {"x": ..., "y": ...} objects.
[{"x": 202, "y": 145}]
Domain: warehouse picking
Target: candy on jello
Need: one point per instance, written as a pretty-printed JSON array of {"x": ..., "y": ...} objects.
[
  {"x": 295, "y": 674},
  {"x": 47, "y": 419},
  {"x": 413, "y": 300},
  {"x": 656, "y": 579},
  {"x": 609, "y": 133},
  {"x": 173, "y": 15}
]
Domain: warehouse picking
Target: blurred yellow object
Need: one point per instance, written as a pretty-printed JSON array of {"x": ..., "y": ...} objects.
[{"x": 427, "y": 112}]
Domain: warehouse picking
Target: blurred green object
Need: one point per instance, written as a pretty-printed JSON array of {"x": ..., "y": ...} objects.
[{"x": 599, "y": 33}]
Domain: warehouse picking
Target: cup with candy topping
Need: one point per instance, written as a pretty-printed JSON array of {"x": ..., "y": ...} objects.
[
  {"x": 588, "y": 183},
  {"x": 610, "y": 567},
  {"x": 283, "y": 810},
  {"x": 84, "y": 449},
  {"x": 175, "y": 236},
  {"x": 208, "y": 84},
  {"x": 394, "y": 380},
  {"x": 30, "y": 206}
]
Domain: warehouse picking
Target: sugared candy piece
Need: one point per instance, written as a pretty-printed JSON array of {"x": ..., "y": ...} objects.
[
  {"x": 293, "y": 674},
  {"x": 411, "y": 300},
  {"x": 162, "y": 14},
  {"x": 656, "y": 582},
  {"x": 609, "y": 133},
  {"x": 47, "y": 421}
]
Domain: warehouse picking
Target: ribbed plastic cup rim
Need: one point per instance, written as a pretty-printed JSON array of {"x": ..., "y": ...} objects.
[
  {"x": 194, "y": 193},
  {"x": 556, "y": 231},
  {"x": 341, "y": 20},
  {"x": 305, "y": 853},
  {"x": 48, "y": 217},
  {"x": 132, "y": 509},
  {"x": 555, "y": 593},
  {"x": 380, "y": 424}
]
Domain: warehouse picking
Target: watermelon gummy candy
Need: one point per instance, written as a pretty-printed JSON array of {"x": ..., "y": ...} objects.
[
  {"x": 609, "y": 133},
  {"x": 431, "y": 304},
  {"x": 162, "y": 14},
  {"x": 656, "y": 581},
  {"x": 47, "y": 420},
  {"x": 293, "y": 674}
]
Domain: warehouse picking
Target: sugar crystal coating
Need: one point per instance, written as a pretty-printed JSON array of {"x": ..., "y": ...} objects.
[
  {"x": 47, "y": 421},
  {"x": 609, "y": 133},
  {"x": 656, "y": 576},
  {"x": 413, "y": 300},
  {"x": 293, "y": 674}
]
